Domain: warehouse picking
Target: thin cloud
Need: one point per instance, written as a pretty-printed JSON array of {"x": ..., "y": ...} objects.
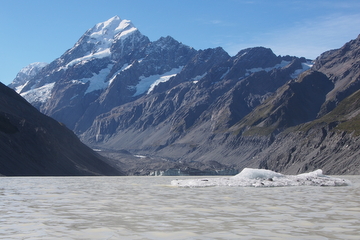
[
  {"x": 309, "y": 38},
  {"x": 315, "y": 36},
  {"x": 215, "y": 22}
]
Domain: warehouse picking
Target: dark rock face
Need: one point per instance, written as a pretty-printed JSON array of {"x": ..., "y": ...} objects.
[
  {"x": 190, "y": 107},
  {"x": 342, "y": 67},
  {"x": 294, "y": 103},
  {"x": 33, "y": 144}
]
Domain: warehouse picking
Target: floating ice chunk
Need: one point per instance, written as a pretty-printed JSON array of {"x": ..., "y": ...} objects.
[
  {"x": 316, "y": 173},
  {"x": 265, "y": 178},
  {"x": 257, "y": 173}
]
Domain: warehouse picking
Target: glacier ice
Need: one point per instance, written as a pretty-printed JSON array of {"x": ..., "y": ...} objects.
[
  {"x": 147, "y": 84},
  {"x": 97, "y": 80},
  {"x": 103, "y": 35},
  {"x": 40, "y": 94},
  {"x": 305, "y": 66},
  {"x": 268, "y": 69},
  {"x": 250, "y": 177}
]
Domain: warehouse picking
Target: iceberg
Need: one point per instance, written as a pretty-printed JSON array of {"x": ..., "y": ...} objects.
[{"x": 250, "y": 177}]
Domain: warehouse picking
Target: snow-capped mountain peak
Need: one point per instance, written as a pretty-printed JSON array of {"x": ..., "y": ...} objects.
[
  {"x": 25, "y": 74},
  {"x": 113, "y": 64},
  {"x": 97, "y": 41},
  {"x": 33, "y": 68},
  {"x": 101, "y": 28},
  {"x": 109, "y": 29}
]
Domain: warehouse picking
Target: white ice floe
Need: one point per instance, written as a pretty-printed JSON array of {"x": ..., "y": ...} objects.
[{"x": 249, "y": 177}]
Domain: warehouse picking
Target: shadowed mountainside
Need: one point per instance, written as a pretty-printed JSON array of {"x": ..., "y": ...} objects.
[{"x": 33, "y": 144}]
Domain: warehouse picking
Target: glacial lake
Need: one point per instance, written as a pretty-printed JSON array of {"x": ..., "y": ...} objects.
[{"x": 150, "y": 208}]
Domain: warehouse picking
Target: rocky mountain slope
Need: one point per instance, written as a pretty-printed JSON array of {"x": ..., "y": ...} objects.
[
  {"x": 33, "y": 144},
  {"x": 195, "y": 110},
  {"x": 261, "y": 121},
  {"x": 320, "y": 123}
]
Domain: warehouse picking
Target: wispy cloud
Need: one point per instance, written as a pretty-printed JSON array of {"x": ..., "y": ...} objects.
[
  {"x": 214, "y": 22},
  {"x": 308, "y": 38},
  {"x": 314, "y": 36}
]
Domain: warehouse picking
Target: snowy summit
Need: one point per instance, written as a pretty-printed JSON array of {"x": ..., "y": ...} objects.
[
  {"x": 101, "y": 37},
  {"x": 111, "y": 28}
]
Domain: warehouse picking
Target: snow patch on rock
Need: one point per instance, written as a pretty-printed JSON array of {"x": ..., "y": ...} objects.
[
  {"x": 147, "y": 84},
  {"x": 40, "y": 94}
]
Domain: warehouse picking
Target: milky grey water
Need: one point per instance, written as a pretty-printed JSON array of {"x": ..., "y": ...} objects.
[{"x": 149, "y": 208}]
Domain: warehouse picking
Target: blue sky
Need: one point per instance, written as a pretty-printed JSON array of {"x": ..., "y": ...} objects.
[{"x": 42, "y": 30}]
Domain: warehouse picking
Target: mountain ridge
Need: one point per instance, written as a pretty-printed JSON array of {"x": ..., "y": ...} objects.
[{"x": 166, "y": 100}]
